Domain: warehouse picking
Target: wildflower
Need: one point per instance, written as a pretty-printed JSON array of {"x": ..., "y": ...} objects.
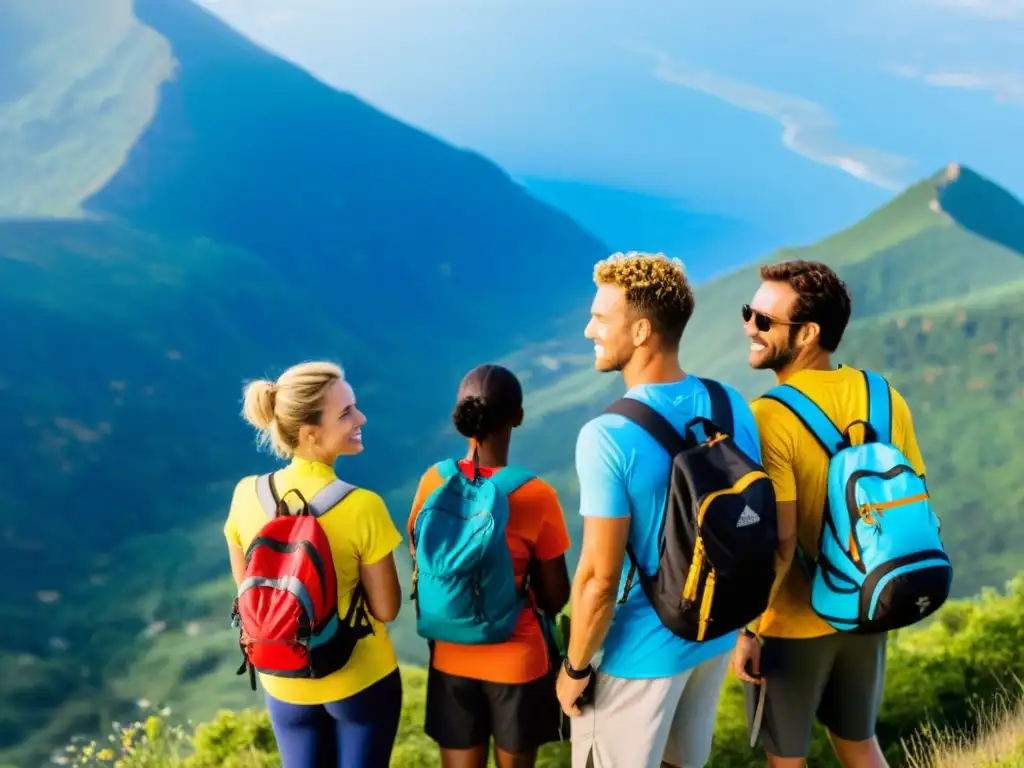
[{"x": 153, "y": 728}]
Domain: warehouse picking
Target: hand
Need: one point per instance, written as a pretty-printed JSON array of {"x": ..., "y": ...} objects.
[
  {"x": 569, "y": 691},
  {"x": 748, "y": 649}
]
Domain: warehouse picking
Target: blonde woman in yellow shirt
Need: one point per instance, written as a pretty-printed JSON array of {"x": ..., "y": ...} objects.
[{"x": 331, "y": 681}]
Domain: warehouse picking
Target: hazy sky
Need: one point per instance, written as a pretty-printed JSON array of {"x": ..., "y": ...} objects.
[{"x": 736, "y": 106}]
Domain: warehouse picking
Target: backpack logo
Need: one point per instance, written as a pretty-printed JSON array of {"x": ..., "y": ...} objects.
[
  {"x": 881, "y": 563},
  {"x": 748, "y": 517},
  {"x": 708, "y": 553},
  {"x": 463, "y": 581}
]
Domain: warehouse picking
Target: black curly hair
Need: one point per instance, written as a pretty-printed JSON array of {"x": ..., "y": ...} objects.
[{"x": 490, "y": 398}]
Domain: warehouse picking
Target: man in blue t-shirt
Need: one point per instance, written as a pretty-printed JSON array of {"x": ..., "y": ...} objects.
[{"x": 656, "y": 695}]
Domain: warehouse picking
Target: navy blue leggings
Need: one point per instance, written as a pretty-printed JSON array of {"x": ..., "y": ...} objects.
[{"x": 357, "y": 732}]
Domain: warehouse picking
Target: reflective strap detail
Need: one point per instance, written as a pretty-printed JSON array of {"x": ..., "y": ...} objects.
[
  {"x": 330, "y": 497},
  {"x": 879, "y": 406},
  {"x": 266, "y": 495},
  {"x": 288, "y": 584}
]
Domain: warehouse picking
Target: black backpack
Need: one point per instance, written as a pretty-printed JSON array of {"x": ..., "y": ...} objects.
[{"x": 718, "y": 538}]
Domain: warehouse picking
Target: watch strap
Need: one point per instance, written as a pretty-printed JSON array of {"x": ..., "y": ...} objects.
[{"x": 576, "y": 674}]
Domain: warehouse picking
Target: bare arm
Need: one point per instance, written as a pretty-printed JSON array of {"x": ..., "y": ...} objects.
[
  {"x": 383, "y": 592},
  {"x": 237, "y": 557},
  {"x": 778, "y": 435},
  {"x": 550, "y": 584},
  {"x": 596, "y": 585},
  {"x": 785, "y": 512}
]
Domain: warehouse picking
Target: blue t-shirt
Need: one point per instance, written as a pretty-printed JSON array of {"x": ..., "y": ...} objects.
[{"x": 623, "y": 471}]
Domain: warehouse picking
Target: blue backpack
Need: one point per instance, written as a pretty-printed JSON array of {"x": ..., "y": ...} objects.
[
  {"x": 881, "y": 564},
  {"x": 464, "y": 585}
]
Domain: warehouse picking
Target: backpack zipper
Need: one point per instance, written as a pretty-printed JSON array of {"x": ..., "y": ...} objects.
[
  {"x": 854, "y": 510},
  {"x": 697, "y": 564},
  {"x": 868, "y": 509},
  {"x": 705, "y": 605}
]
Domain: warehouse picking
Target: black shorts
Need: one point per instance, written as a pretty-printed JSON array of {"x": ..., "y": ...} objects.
[
  {"x": 463, "y": 713},
  {"x": 836, "y": 679}
]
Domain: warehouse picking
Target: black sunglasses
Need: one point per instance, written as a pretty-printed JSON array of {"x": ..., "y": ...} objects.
[{"x": 762, "y": 322}]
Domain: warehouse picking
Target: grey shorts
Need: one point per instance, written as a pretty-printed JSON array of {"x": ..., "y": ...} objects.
[
  {"x": 640, "y": 723},
  {"x": 837, "y": 679}
]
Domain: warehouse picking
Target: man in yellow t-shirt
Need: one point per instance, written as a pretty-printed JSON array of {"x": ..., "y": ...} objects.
[{"x": 795, "y": 322}]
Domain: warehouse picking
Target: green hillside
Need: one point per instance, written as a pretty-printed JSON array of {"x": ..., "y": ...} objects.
[
  {"x": 221, "y": 214},
  {"x": 78, "y": 89},
  {"x": 937, "y": 309},
  {"x": 952, "y": 700}
]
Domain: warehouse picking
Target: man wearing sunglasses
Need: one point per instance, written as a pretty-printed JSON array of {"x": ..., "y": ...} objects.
[{"x": 795, "y": 665}]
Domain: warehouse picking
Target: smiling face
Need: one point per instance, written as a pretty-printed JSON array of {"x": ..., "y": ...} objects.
[
  {"x": 339, "y": 432},
  {"x": 766, "y": 322},
  {"x": 611, "y": 328}
]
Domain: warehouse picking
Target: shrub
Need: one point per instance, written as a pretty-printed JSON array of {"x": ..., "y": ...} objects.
[{"x": 942, "y": 685}]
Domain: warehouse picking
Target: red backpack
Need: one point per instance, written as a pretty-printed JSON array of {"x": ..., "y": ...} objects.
[{"x": 287, "y": 603}]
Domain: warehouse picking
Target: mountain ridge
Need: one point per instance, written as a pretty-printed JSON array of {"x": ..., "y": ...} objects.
[
  {"x": 212, "y": 257},
  {"x": 138, "y": 326},
  {"x": 953, "y": 381}
]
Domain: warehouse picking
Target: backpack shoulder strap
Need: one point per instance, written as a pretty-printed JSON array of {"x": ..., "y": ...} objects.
[
  {"x": 329, "y": 497},
  {"x": 879, "y": 405},
  {"x": 816, "y": 420},
  {"x": 721, "y": 406},
  {"x": 656, "y": 425},
  {"x": 267, "y": 494},
  {"x": 447, "y": 468},
  {"x": 510, "y": 479}
]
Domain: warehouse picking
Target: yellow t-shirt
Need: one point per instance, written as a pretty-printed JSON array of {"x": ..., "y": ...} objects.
[
  {"x": 798, "y": 468},
  {"x": 359, "y": 530}
]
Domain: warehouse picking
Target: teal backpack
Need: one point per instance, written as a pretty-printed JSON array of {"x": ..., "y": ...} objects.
[{"x": 464, "y": 585}]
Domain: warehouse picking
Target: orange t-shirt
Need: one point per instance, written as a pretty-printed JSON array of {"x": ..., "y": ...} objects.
[{"x": 536, "y": 527}]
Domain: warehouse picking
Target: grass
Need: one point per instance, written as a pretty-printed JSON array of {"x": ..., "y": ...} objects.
[
  {"x": 939, "y": 312},
  {"x": 953, "y": 697},
  {"x": 997, "y": 743}
]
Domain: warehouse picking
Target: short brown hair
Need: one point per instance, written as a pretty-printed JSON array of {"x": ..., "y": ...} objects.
[
  {"x": 822, "y": 297},
  {"x": 656, "y": 288}
]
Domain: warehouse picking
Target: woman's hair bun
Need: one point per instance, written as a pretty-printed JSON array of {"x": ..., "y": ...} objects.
[
  {"x": 472, "y": 418},
  {"x": 259, "y": 402}
]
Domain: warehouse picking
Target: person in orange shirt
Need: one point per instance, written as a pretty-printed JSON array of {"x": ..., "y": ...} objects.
[{"x": 505, "y": 689}]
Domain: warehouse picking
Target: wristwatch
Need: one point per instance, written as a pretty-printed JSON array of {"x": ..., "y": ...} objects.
[
  {"x": 576, "y": 674},
  {"x": 747, "y": 631}
]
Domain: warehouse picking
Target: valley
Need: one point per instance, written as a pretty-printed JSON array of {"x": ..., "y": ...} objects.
[{"x": 248, "y": 217}]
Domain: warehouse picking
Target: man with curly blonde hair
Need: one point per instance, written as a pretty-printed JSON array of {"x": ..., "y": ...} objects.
[{"x": 653, "y": 702}]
